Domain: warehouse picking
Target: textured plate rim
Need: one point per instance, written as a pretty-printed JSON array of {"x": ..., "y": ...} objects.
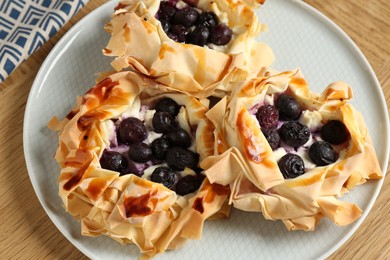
[
  {"x": 73, "y": 32},
  {"x": 35, "y": 88}
]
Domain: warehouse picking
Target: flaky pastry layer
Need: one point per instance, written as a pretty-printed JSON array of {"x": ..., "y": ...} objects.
[
  {"x": 247, "y": 163},
  {"x": 139, "y": 42},
  {"x": 128, "y": 208}
]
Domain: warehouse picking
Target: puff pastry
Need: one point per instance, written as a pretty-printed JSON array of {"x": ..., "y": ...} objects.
[
  {"x": 130, "y": 208},
  {"x": 249, "y": 166},
  {"x": 138, "y": 42}
]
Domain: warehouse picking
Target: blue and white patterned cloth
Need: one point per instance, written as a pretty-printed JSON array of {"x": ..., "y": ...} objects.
[{"x": 26, "y": 25}]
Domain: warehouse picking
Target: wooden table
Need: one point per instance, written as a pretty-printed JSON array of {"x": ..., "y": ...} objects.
[{"x": 28, "y": 233}]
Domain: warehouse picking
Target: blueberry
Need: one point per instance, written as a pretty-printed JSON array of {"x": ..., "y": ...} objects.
[
  {"x": 160, "y": 147},
  {"x": 322, "y": 153},
  {"x": 163, "y": 122},
  {"x": 168, "y": 105},
  {"x": 179, "y": 137},
  {"x": 272, "y": 137},
  {"x": 288, "y": 107},
  {"x": 178, "y": 158},
  {"x": 163, "y": 175},
  {"x": 179, "y": 31},
  {"x": 166, "y": 11},
  {"x": 173, "y": 37},
  {"x": 165, "y": 25},
  {"x": 334, "y": 132},
  {"x": 140, "y": 153},
  {"x": 136, "y": 168},
  {"x": 220, "y": 34},
  {"x": 131, "y": 130},
  {"x": 208, "y": 19},
  {"x": 188, "y": 184},
  {"x": 294, "y": 133},
  {"x": 199, "y": 36},
  {"x": 291, "y": 166},
  {"x": 192, "y": 3},
  {"x": 267, "y": 116},
  {"x": 198, "y": 170},
  {"x": 114, "y": 161},
  {"x": 186, "y": 17}
]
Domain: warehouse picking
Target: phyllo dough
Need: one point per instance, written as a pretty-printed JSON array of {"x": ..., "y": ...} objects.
[
  {"x": 138, "y": 41},
  {"x": 253, "y": 165},
  {"x": 125, "y": 204}
]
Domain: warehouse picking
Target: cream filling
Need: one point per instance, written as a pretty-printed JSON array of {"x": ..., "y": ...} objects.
[{"x": 312, "y": 119}]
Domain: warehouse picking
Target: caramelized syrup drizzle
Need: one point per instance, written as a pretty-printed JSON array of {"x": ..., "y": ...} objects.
[{"x": 140, "y": 206}]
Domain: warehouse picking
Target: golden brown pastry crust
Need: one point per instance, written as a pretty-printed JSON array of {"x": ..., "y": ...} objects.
[
  {"x": 139, "y": 42},
  {"x": 128, "y": 208},
  {"x": 250, "y": 169}
]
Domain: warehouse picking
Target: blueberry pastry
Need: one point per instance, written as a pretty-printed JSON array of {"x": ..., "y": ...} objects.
[
  {"x": 129, "y": 155},
  {"x": 288, "y": 152},
  {"x": 195, "y": 44}
]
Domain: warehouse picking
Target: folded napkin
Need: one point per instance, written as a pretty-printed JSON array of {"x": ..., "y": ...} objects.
[{"x": 26, "y": 25}]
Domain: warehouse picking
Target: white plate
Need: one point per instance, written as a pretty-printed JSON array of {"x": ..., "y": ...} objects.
[{"x": 300, "y": 36}]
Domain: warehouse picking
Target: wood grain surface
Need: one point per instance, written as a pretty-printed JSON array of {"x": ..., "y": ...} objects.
[{"x": 28, "y": 233}]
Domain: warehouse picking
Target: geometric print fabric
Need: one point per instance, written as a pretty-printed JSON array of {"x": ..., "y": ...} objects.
[{"x": 26, "y": 25}]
